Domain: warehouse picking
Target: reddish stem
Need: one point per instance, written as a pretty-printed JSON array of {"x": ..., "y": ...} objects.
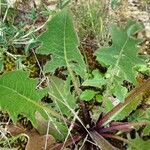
[
  {"x": 85, "y": 113},
  {"x": 124, "y": 127}
]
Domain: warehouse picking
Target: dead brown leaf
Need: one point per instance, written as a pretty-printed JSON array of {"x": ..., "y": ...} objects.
[{"x": 35, "y": 140}]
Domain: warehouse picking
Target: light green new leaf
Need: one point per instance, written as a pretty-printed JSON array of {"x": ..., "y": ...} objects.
[
  {"x": 96, "y": 81},
  {"x": 145, "y": 69},
  {"x": 87, "y": 95},
  {"x": 99, "y": 98},
  {"x": 18, "y": 95},
  {"x": 62, "y": 97},
  {"x": 122, "y": 56},
  {"x": 61, "y": 41}
]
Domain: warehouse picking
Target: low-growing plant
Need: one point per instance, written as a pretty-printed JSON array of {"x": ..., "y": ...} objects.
[{"x": 71, "y": 115}]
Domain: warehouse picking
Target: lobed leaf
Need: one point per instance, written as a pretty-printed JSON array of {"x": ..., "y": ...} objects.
[
  {"x": 121, "y": 58},
  {"x": 18, "y": 95},
  {"x": 61, "y": 95},
  {"x": 61, "y": 41}
]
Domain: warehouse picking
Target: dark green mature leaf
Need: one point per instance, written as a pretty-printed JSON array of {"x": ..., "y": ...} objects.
[
  {"x": 61, "y": 41},
  {"x": 60, "y": 93},
  {"x": 121, "y": 59},
  {"x": 18, "y": 95},
  {"x": 122, "y": 56}
]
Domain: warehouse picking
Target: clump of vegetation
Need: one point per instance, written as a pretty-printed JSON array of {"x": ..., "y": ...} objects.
[
  {"x": 66, "y": 103},
  {"x": 91, "y": 20}
]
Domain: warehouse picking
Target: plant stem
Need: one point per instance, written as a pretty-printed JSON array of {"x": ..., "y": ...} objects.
[
  {"x": 84, "y": 109},
  {"x": 124, "y": 126},
  {"x": 111, "y": 114},
  {"x": 86, "y": 117}
]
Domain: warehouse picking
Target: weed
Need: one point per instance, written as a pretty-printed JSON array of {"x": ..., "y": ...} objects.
[{"x": 84, "y": 108}]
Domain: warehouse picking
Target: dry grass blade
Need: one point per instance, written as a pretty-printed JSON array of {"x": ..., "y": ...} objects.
[{"x": 101, "y": 142}]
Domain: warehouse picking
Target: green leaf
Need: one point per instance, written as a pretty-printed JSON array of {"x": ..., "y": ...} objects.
[
  {"x": 61, "y": 41},
  {"x": 114, "y": 3},
  {"x": 96, "y": 81},
  {"x": 61, "y": 95},
  {"x": 63, "y": 3},
  {"x": 146, "y": 130},
  {"x": 138, "y": 144},
  {"x": 137, "y": 115},
  {"x": 1, "y": 60},
  {"x": 99, "y": 98},
  {"x": 87, "y": 95},
  {"x": 56, "y": 127},
  {"x": 18, "y": 95},
  {"x": 122, "y": 56},
  {"x": 1, "y": 65},
  {"x": 59, "y": 130},
  {"x": 145, "y": 69},
  {"x": 141, "y": 115},
  {"x": 127, "y": 109},
  {"x": 109, "y": 105},
  {"x": 119, "y": 91}
]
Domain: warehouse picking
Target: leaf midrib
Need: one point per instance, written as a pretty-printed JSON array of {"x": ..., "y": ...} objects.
[
  {"x": 42, "y": 108},
  {"x": 114, "y": 68},
  {"x": 28, "y": 99},
  {"x": 118, "y": 60}
]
